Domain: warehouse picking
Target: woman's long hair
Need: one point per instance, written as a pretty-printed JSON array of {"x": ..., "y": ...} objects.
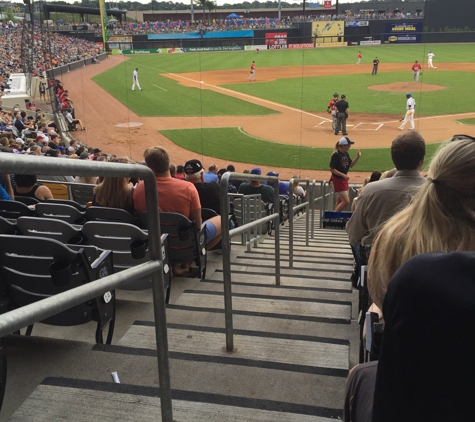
[
  {"x": 115, "y": 192},
  {"x": 440, "y": 217}
]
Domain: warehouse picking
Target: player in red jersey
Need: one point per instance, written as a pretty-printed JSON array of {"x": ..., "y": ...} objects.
[
  {"x": 332, "y": 109},
  {"x": 416, "y": 71},
  {"x": 252, "y": 76}
]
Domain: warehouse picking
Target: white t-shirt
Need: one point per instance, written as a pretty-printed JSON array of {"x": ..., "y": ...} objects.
[{"x": 430, "y": 56}]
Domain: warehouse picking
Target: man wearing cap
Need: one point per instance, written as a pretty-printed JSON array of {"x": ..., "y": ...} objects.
[
  {"x": 410, "y": 110},
  {"x": 380, "y": 200},
  {"x": 96, "y": 153},
  {"x": 208, "y": 192},
  {"x": 340, "y": 164},
  {"x": 175, "y": 196},
  {"x": 342, "y": 107},
  {"x": 283, "y": 187},
  {"x": 256, "y": 187},
  {"x": 135, "y": 77},
  {"x": 332, "y": 109}
]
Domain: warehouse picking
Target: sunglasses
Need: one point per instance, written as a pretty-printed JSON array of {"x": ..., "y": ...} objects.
[{"x": 462, "y": 138}]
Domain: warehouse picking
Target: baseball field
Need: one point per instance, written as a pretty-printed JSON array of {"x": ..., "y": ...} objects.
[{"x": 204, "y": 103}]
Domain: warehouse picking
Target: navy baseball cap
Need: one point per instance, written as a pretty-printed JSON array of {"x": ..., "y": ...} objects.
[
  {"x": 345, "y": 141},
  {"x": 273, "y": 173},
  {"x": 256, "y": 170},
  {"x": 408, "y": 95}
]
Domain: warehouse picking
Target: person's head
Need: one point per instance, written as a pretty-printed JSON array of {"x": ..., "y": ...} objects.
[
  {"x": 97, "y": 152},
  {"x": 344, "y": 144},
  {"x": 157, "y": 160},
  {"x": 408, "y": 95},
  {"x": 231, "y": 168},
  {"x": 416, "y": 61},
  {"x": 343, "y": 97},
  {"x": 335, "y": 95},
  {"x": 212, "y": 168},
  {"x": 25, "y": 180},
  {"x": 35, "y": 149},
  {"x": 135, "y": 69},
  {"x": 172, "y": 169},
  {"x": 180, "y": 169},
  {"x": 375, "y": 176},
  {"x": 115, "y": 192},
  {"x": 408, "y": 151},
  {"x": 194, "y": 171}
]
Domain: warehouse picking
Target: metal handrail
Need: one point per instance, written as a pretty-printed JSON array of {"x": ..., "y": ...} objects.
[
  {"x": 226, "y": 244},
  {"x": 13, "y": 320},
  {"x": 291, "y": 217}
]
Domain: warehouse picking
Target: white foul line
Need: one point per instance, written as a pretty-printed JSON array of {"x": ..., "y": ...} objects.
[{"x": 159, "y": 87}]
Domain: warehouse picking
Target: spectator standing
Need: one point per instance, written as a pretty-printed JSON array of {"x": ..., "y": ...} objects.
[
  {"x": 340, "y": 164},
  {"x": 211, "y": 175},
  {"x": 135, "y": 77}
]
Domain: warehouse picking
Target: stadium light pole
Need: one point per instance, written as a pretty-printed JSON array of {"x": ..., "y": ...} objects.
[{"x": 336, "y": 7}]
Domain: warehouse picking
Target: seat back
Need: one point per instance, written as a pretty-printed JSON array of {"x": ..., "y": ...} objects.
[
  {"x": 50, "y": 228},
  {"x": 26, "y": 200},
  {"x": 71, "y": 203},
  {"x": 110, "y": 214},
  {"x": 34, "y": 268},
  {"x": 60, "y": 212},
  {"x": 130, "y": 247},
  {"x": 58, "y": 190},
  {"x": 14, "y": 209},
  {"x": 6, "y": 227},
  {"x": 186, "y": 242},
  {"x": 82, "y": 194}
]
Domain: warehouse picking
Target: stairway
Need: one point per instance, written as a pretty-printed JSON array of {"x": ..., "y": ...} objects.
[{"x": 293, "y": 344}]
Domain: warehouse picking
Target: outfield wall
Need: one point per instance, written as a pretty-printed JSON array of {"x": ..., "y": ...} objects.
[{"x": 58, "y": 71}]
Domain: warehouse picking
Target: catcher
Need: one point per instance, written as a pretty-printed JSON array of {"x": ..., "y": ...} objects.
[{"x": 332, "y": 109}]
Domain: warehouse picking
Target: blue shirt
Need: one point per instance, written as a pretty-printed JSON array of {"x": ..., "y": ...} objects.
[
  {"x": 283, "y": 188},
  {"x": 210, "y": 177},
  {"x": 4, "y": 196}
]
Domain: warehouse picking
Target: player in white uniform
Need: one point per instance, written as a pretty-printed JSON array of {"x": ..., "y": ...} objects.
[
  {"x": 410, "y": 110},
  {"x": 136, "y": 80},
  {"x": 430, "y": 56}
]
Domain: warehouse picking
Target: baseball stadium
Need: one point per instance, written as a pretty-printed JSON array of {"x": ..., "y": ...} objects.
[{"x": 245, "y": 90}]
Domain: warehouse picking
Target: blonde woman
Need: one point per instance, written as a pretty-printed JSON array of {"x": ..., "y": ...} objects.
[
  {"x": 115, "y": 192},
  {"x": 440, "y": 217}
]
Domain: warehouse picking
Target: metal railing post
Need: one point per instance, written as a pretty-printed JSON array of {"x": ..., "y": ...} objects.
[
  {"x": 307, "y": 216},
  {"x": 291, "y": 223},
  {"x": 277, "y": 231}
]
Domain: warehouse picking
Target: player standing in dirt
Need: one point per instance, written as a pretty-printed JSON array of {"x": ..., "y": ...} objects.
[
  {"x": 332, "y": 109},
  {"x": 375, "y": 66},
  {"x": 358, "y": 56},
  {"x": 410, "y": 110},
  {"x": 416, "y": 70},
  {"x": 252, "y": 76},
  {"x": 430, "y": 56}
]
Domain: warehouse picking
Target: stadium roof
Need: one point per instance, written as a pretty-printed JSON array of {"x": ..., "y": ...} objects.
[{"x": 62, "y": 8}]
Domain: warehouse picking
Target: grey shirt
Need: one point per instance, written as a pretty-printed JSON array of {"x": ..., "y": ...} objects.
[{"x": 378, "y": 202}]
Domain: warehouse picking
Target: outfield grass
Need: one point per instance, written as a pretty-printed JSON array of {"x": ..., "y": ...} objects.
[
  {"x": 162, "y": 96},
  {"x": 233, "y": 145},
  {"x": 467, "y": 121}
]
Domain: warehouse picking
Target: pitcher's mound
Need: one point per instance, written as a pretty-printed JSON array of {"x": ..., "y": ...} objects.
[{"x": 406, "y": 87}]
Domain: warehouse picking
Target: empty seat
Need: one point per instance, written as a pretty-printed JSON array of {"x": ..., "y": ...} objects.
[
  {"x": 58, "y": 190},
  {"x": 82, "y": 194},
  {"x": 60, "y": 212},
  {"x": 50, "y": 228},
  {"x": 14, "y": 209},
  {"x": 26, "y": 200},
  {"x": 110, "y": 214},
  {"x": 72, "y": 203},
  {"x": 34, "y": 268}
]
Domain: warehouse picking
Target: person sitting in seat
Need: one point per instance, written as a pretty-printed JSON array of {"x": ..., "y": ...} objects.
[
  {"x": 256, "y": 187},
  {"x": 208, "y": 192},
  {"x": 115, "y": 192},
  {"x": 26, "y": 185},
  {"x": 175, "y": 196},
  {"x": 7, "y": 194},
  {"x": 73, "y": 122}
]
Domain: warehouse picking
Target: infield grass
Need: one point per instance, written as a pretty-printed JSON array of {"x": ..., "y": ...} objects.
[
  {"x": 233, "y": 144},
  {"x": 467, "y": 121}
]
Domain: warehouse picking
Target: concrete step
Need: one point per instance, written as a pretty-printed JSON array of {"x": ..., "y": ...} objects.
[{"x": 268, "y": 261}]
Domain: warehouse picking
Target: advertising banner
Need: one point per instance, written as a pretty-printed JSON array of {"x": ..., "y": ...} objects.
[
  {"x": 328, "y": 29},
  {"x": 356, "y": 24},
  {"x": 331, "y": 44},
  {"x": 304, "y": 45},
  {"x": 255, "y": 47},
  {"x": 327, "y": 4},
  {"x": 403, "y": 33},
  {"x": 374, "y": 42},
  {"x": 276, "y": 38},
  {"x": 223, "y": 48}
]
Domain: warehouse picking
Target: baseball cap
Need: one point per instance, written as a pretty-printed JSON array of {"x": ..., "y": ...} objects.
[
  {"x": 84, "y": 155},
  {"x": 193, "y": 166},
  {"x": 272, "y": 173},
  {"x": 256, "y": 170},
  {"x": 51, "y": 153},
  {"x": 335, "y": 94},
  {"x": 345, "y": 141},
  {"x": 97, "y": 150},
  {"x": 343, "y": 96},
  {"x": 408, "y": 95},
  {"x": 21, "y": 141}
]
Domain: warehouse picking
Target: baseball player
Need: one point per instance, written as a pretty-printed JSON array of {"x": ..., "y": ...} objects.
[
  {"x": 136, "y": 80},
  {"x": 410, "y": 110},
  {"x": 430, "y": 56},
  {"x": 252, "y": 76},
  {"x": 416, "y": 70},
  {"x": 375, "y": 66},
  {"x": 358, "y": 57},
  {"x": 332, "y": 109}
]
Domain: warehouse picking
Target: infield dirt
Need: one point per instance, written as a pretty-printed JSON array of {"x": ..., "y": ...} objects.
[{"x": 100, "y": 112}]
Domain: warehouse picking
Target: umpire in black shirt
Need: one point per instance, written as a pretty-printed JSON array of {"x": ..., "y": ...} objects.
[{"x": 341, "y": 115}]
